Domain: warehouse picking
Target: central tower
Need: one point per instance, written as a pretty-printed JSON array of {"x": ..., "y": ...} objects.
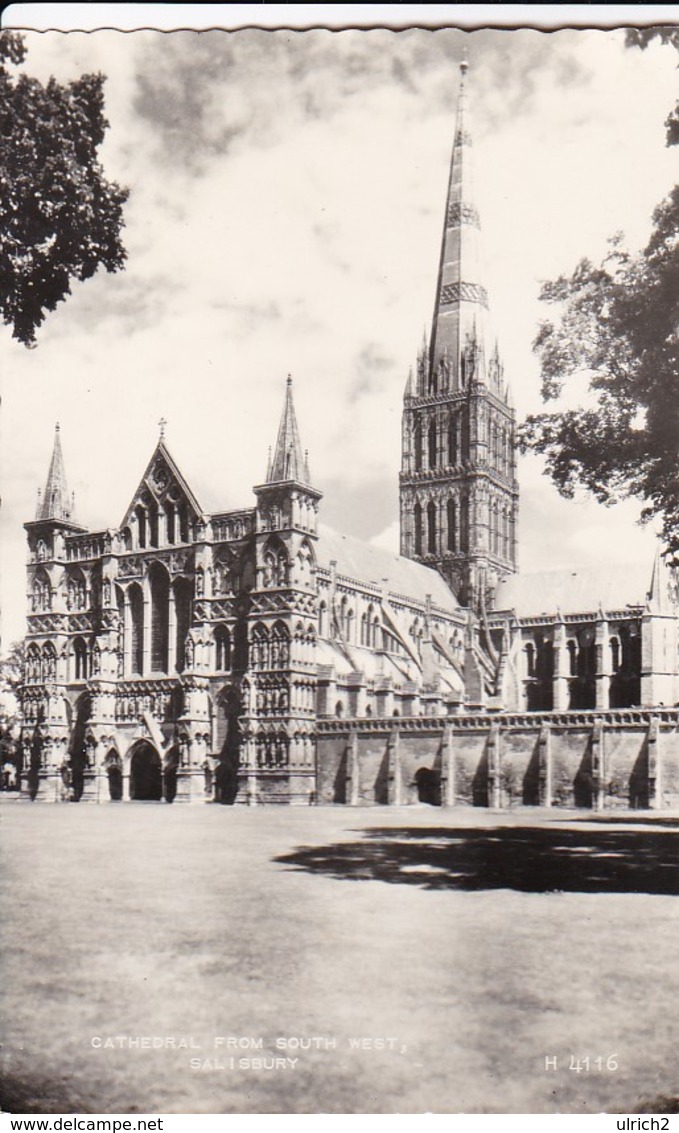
[{"x": 458, "y": 489}]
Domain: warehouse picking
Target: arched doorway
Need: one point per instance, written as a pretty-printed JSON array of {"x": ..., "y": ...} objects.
[
  {"x": 78, "y": 757},
  {"x": 428, "y": 783},
  {"x": 146, "y": 774},
  {"x": 114, "y": 773},
  {"x": 229, "y": 711}
]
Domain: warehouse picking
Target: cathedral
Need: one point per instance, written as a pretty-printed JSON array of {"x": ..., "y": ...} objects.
[{"x": 258, "y": 656}]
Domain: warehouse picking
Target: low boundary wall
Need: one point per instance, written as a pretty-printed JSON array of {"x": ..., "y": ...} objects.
[{"x": 626, "y": 758}]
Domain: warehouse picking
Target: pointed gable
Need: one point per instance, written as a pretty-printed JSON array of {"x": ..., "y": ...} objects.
[{"x": 163, "y": 483}]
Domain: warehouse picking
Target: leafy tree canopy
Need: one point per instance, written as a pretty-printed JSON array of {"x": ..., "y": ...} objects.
[
  {"x": 61, "y": 219},
  {"x": 618, "y": 323},
  {"x": 11, "y": 679},
  {"x": 641, "y": 37}
]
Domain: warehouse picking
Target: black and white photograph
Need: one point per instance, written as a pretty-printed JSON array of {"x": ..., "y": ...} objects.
[{"x": 339, "y": 680}]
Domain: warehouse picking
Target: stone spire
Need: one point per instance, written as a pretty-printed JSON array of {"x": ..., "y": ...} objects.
[
  {"x": 288, "y": 460},
  {"x": 658, "y": 597},
  {"x": 55, "y": 502},
  {"x": 459, "y": 347}
]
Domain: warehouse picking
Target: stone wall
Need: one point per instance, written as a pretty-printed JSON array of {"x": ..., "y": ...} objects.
[{"x": 626, "y": 758}]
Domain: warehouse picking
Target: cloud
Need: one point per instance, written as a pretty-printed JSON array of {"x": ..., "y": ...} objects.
[
  {"x": 201, "y": 94},
  {"x": 373, "y": 371},
  {"x": 285, "y": 214}
]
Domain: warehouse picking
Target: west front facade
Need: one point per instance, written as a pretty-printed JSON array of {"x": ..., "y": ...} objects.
[{"x": 256, "y": 656}]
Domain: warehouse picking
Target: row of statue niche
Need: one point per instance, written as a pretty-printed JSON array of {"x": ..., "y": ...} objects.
[
  {"x": 272, "y": 751},
  {"x": 157, "y": 705},
  {"x": 265, "y": 653},
  {"x": 272, "y": 700},
  {"x": 275, "y": 569},
  {"x": 41, "y": 665},
  {"x": 224, "y": 579}
]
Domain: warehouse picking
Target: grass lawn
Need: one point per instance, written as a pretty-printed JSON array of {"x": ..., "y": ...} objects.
[{"x": 480, "y": 944}]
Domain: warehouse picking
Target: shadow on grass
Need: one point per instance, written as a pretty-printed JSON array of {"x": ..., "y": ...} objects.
[
  {"x": 530, "y": 859},
  {"x": 662, "y": 1104},
  {"x": 39, "y": 1095}
]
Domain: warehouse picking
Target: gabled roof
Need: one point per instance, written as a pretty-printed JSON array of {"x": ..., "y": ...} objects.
[
  {"x": 161, "y": 472},
  {"x": 366, "y": 562},
  {"x": 575, "y": 591}
]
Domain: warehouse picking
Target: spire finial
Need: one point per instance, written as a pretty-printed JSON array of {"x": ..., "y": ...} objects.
[
  {"x": 289, "y": 381},
  {"x": 464, "y": 65},
  {"x": 161, "y": 425}
]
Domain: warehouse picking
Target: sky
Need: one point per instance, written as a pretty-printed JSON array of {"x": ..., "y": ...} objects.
[{"x": 286, "y": 202}]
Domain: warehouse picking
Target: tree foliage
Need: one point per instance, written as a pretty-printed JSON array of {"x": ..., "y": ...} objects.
[
  {"x": 641, "y": 37},
  {"x": 11, "y": 679},
  {"x": 61, "y": 218},
  {"x": 617, "y": 323}
]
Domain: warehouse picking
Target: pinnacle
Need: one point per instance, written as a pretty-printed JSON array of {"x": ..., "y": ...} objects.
[
  {"x": 55, "y": 502},
  {"x": 288, "y": 462}
]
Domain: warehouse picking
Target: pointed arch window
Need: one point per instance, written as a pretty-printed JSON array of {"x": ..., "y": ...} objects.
[
  {"x": 464, "y": 434},
  {"x": 493, "y": 528},
  {"x": 587, "y": 656},
  {"x": 432, "y": 443},
  {"x": 159, "y": 584},
  {"x": 418, "y": 528},
  {"x": 464, "y": 524},
  {"x": 375, "y": 639},
  {"x": 152, "y": 513},
  {"x": 136, "y": 600},
  {"x": 183, "y": 596},
  {"x": 452, "y": 440},
  {"x": 452, "y": 525},
  {"x": 140, "y": 513},
  {"x": 343, "y": 616},
  {"x": 431, "y": 527},
  {"x": 169, "y": 522},
  {"x": 183, "y": 524},
  {"x": 222, "y": 649},
  {"x": 80, "y": 667},
  {"x": 418, "y": 445}
]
